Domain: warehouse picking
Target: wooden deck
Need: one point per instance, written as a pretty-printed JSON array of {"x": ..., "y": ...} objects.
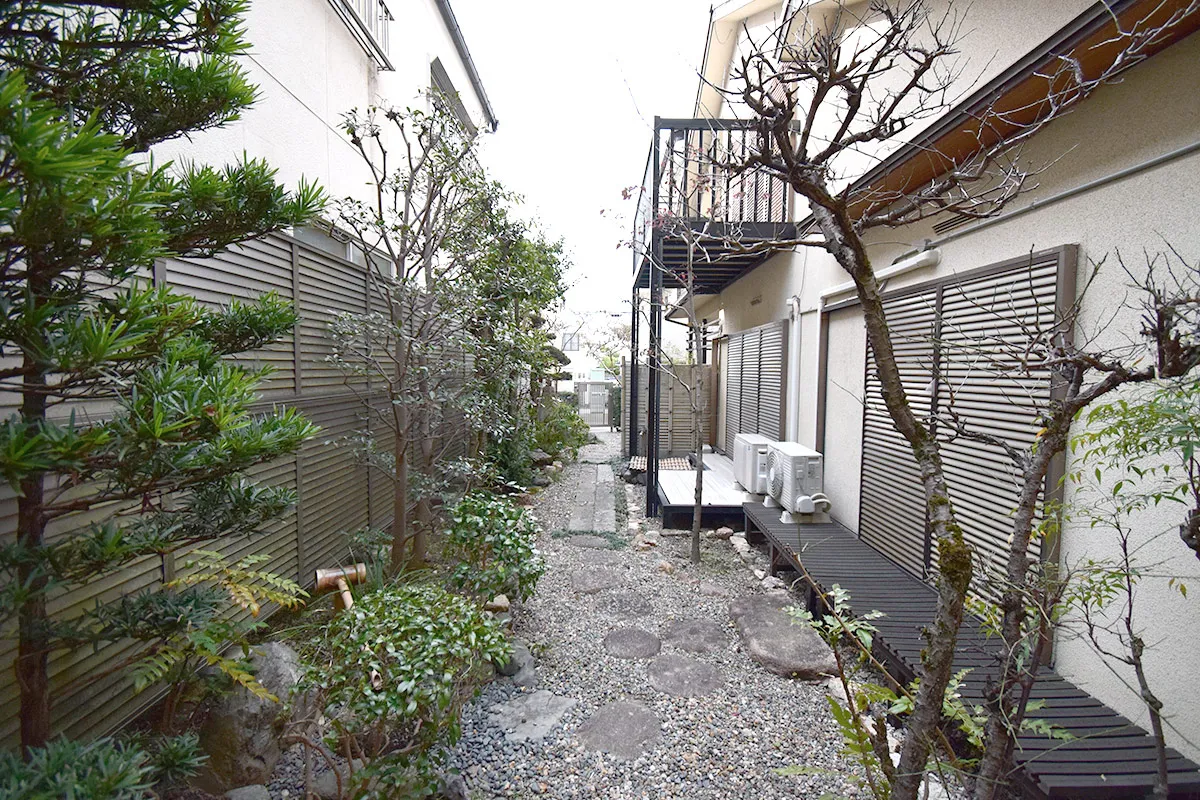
[
  {"x": 1109, "y": 757},
  {"x": 721, "y": 500}
]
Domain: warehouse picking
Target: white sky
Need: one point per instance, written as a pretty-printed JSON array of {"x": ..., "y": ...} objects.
[{"x": 575, "y": 86}]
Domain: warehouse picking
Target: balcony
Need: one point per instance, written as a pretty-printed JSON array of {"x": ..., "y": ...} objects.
[
  {"x": 368, "y": 21},
  {"x": 693, "y": 194}
]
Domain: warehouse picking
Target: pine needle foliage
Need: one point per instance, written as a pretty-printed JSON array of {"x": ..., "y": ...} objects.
[{"x": 128, "y": 430}]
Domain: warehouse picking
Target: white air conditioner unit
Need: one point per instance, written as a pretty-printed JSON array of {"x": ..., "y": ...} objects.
[
  {"x": 795, "y": 479},
  {"x": 750, "y": 462}
]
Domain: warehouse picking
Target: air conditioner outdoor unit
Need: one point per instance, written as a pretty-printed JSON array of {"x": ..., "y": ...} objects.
[
  {"x": 794, "y": 479},
  {"x": 750, "y": 462}
]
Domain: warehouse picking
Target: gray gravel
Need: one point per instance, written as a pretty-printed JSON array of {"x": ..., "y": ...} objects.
[{"x": 725, "y": 744}]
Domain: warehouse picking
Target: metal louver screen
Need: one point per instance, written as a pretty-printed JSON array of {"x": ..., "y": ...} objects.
[
  {"x": 892, "y": 513},
  {"x": 755, "y": 383},
  {"x": 733, "y": 391},
  {"x": 966, "y": 327}
]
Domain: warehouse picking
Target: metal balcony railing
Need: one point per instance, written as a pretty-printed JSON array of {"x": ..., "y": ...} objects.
[
  {"x": 369, "y": 21},
  {"x": 700, "y": 178}
]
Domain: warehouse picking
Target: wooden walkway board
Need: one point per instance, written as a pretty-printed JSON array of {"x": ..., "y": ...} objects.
[{"x": 1109, "y": 757}]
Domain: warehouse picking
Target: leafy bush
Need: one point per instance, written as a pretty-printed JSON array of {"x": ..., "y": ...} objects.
[
  {"x": 400, "y": 665},
  {"x": 510, "y": 457},
  {"x": 562, "y": 430},
  {"x": 494, "y": 539},
  {"x": 99, "y": 770}
]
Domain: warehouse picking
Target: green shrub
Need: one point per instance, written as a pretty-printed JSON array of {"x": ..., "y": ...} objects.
[
  {"x": 510, "y": 456},
  {"x": 99, "y": 770},
  {"x": 400, "y": 665},
  {"x": 562, "y": 430},
  {"x": 494, "y": 541}
]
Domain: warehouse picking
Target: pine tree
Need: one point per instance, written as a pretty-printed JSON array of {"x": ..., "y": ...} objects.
[{"x": 127, "y": 409}]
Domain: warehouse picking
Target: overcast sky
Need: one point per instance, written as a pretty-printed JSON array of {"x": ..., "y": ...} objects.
[{"x": 576, "y": 86}]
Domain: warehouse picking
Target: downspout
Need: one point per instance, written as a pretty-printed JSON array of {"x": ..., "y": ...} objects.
[
  {"x": 460, "y": 45},
  {"x": 792, "y": 423}
]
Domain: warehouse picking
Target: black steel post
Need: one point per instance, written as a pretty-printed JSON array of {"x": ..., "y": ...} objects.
[
  {"x": 655, "y": 361},
  {"x": 653, "y": 391},
  {"x": 631, "y": 428}
]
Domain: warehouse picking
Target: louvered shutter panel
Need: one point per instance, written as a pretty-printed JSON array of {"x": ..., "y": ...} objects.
[
  {"x": 892, "y": 512},
  {"x": 733, "y": 391},
  {"x": 756, "y": 374},
  {"x": 751, "y": 385},
  {"x": 988, "y": 389},
  {"x": 972, "y": 321},
  {"x": 772, "y": 367}
]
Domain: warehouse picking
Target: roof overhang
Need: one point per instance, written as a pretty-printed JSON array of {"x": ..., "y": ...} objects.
[
  {"x": 719, "y": 50},
  {"x": 464, "y": 55},
  {"x": 1017, "y": 97}
]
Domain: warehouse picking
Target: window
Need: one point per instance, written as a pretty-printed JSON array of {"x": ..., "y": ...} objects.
[
  {"x": 570, "y": 342},
  {"x": 445, "y": 94}
]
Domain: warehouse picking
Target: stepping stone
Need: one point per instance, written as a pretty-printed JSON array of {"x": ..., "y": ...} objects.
[
  {"x": 530, "y": 717},
  {"x": 590, "y": 581},
  {"x": 588, "y": 540},
  {"x": 602, "y": 558},
  {"x": 625, "y": 729},
  {"x": 632, "y": 643},
  {"x": 772, "y": 638},
  {"x": 628, "y": 604},
  {"x": 681, "y": 676},
  {"x": 696, "y": 635},
  {"x": 710, "y": 589}
]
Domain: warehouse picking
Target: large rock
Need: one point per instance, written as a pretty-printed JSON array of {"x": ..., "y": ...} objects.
[
  {"x": 782, "y": 645},
  {"x": 624, "y": 729},
  {"x": 530, "y": 717},
  {"x": 540, "y": 458},
  {"x": 520, "y": 659},
  {"x": 241, "y": 734},
  {"x": 253, "y": 792}
]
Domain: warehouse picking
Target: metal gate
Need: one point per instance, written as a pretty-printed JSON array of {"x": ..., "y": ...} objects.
[{"x": 593, "y": 402}]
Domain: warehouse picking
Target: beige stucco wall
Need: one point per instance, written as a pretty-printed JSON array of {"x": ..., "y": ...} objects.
[{"x": 1153, "y": 111}]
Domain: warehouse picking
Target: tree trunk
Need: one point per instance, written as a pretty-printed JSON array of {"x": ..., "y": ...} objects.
[
  {"x": 954, "y": 555},
  {"x": 400, "y": 493},
  {"x": 33, "y": 656}
]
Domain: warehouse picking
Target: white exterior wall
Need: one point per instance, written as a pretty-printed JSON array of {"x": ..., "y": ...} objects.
[
  {"x": 1153, "y": 111},
  {"x": 310, "y": 70}
]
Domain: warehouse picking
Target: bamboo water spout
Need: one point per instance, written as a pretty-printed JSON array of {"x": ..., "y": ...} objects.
[{"x": 340, "y": 578}]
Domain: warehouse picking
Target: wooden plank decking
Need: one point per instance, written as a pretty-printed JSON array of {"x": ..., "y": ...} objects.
[
  {"x": 721, "y": 501},
  {"x": 1109, "y": 757}
]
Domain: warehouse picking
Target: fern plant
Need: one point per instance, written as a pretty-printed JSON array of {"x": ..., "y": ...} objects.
[{"x": 210, "y": 591}]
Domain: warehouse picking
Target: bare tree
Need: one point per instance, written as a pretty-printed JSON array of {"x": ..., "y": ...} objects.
[
  {"x": 850, "y": 78},
  {"x": 418, "y": 239}
]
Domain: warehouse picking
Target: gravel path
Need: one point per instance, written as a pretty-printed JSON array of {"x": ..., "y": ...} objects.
[{"x": 620, "y": 736}]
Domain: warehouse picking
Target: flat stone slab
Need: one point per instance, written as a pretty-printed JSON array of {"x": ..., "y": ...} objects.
[
  {"x": 632, "y": 643},
  {"x": 601, "y": 558},
  {"x": 588, "y": 540},
  {"x": 782, "y": 645},
  {"x": 590, "y": 581},
  {"x": 625, "y": 729},
  {"x": 681, "y": 676},
  {"x": 696, "y": 635},
  {"x": 628, "y": 604},
  {"x": 530, "y": 717}
]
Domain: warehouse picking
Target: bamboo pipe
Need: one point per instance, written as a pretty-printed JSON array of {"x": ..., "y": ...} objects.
[{"x": 340, "y": 578}]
